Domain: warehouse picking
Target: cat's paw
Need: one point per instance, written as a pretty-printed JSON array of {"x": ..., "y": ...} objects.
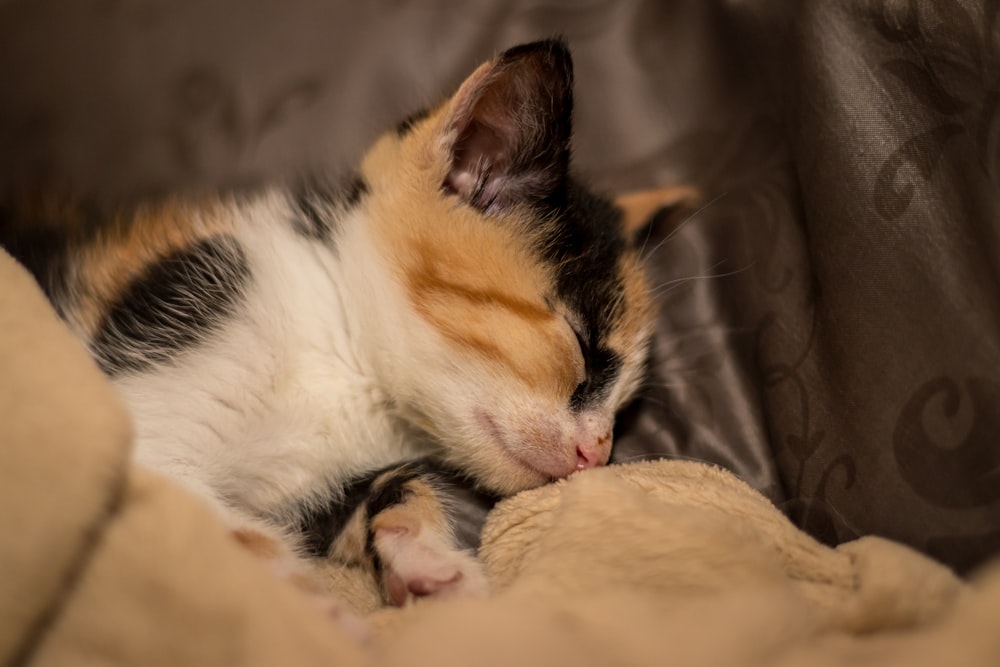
[{"x": 424, "y": 564}]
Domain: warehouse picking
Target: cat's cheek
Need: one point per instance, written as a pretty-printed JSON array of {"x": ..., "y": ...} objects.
[
  {"x": 496, "y": 466},
  {"x": 530, "y": 451},
  {"x": 508, "y": 473},
  {"x": 565, "y": 445}
]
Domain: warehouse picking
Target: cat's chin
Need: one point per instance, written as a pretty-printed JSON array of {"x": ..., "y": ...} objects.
[
  {"x": 513, "y": 475},
  {"x": 527, "y": 460}
]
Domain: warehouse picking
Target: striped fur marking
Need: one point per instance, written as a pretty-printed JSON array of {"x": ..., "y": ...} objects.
[
  {"x": 402, "y": 500},
  {"x": 342, "y": 527},
  {"x": 406, "y": 502}
]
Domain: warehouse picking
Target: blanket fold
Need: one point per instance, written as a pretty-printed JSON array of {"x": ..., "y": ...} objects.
[
  {"x": 636, "y": 564},
  {"x": 63, "y": 458},
  {"x": 688, "y": 527}
]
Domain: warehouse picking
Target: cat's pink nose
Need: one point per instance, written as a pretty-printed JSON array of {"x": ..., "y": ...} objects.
[{"x": 593, "y": 453}]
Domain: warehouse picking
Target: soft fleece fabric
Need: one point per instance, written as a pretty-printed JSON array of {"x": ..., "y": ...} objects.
[{"x": 642, "y": 564}]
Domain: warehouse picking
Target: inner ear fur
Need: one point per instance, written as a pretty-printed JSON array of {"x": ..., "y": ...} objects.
[{"x": 509, "y": 126}]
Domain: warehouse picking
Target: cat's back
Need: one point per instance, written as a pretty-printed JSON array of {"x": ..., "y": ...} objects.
[{"x": 221, "y": 321}]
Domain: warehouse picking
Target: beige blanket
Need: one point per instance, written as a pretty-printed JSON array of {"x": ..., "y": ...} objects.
[{"x": 648, "y": 564}]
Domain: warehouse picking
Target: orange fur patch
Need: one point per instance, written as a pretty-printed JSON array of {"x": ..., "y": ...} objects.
[
  {"x": 421, "y": 509},
  {"x": 475, "y": 279},
  {"x": 637, "y": 307},
  {"x": 639, "y": 206},
  {"x": 349, "y": 547}
]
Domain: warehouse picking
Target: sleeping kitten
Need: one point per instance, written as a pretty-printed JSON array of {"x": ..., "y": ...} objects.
[{"x": 317, "y": 362}]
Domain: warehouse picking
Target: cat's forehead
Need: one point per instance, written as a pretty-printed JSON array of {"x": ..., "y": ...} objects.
[
  {"x": 504, "y": 285},
  {"x": 572, "y": 249},
  {"x": 412, "y": 214}
]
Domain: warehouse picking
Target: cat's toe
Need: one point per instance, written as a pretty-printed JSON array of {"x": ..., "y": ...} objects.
[
  {"x": 423, "y": 566},
  {"x": 442, "y": 580}
]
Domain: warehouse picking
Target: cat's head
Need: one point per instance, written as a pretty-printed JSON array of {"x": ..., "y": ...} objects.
[{"x": 529, "y": 311}]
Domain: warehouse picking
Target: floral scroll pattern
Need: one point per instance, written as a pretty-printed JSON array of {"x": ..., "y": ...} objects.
[{"x": 951, "y": 68}]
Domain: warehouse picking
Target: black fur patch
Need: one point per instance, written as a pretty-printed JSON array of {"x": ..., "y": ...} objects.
[
  {"x": 404, "y": 126},
  {"x": 175, "y": 304},
  {"x": 319, "y": 203},
  {"x": 391, "y": 489},
  {"x": 319, "y": 527},
  {"x": 357, "y": 189},
  {"x": 603, "y": 366},
  {"x": 313, "y": 219},
  {"x": 586, "y": 243}
]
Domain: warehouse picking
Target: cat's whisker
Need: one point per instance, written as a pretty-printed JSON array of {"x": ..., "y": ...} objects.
[
  {"x": 680, "y": 226},
  {"x": 670, "y": 285},
  {"x": 682, "y": 384},
  {"x": 678, "y": 373},
  {"x": 665, "y": 456},
  {"x": 613, "y": 306},
  {"x": 657, "y": 402},
  {"x": 684, "y": 348},
  {"x": 708, "y": 330},
  {"x": 670, "y": 386}
]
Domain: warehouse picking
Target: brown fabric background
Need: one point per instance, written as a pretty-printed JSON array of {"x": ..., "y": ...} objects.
[{"x": 830, "y": 326}]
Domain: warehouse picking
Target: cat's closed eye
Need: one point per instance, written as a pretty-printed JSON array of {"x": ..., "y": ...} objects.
[{"x": 581, "y": 342}]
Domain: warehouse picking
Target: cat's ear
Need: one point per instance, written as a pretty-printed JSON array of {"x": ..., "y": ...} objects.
[
  {"x": 508, "y": 129},
  {"x": 642, "y": 208}
]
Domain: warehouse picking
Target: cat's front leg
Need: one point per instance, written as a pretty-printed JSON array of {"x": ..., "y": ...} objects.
[
  {"x": 403, "y": 530},
  {"x": 416, "y": 550}
]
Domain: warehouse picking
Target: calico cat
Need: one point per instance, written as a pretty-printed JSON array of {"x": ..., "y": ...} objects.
[{"x": 320, "y": 362}]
